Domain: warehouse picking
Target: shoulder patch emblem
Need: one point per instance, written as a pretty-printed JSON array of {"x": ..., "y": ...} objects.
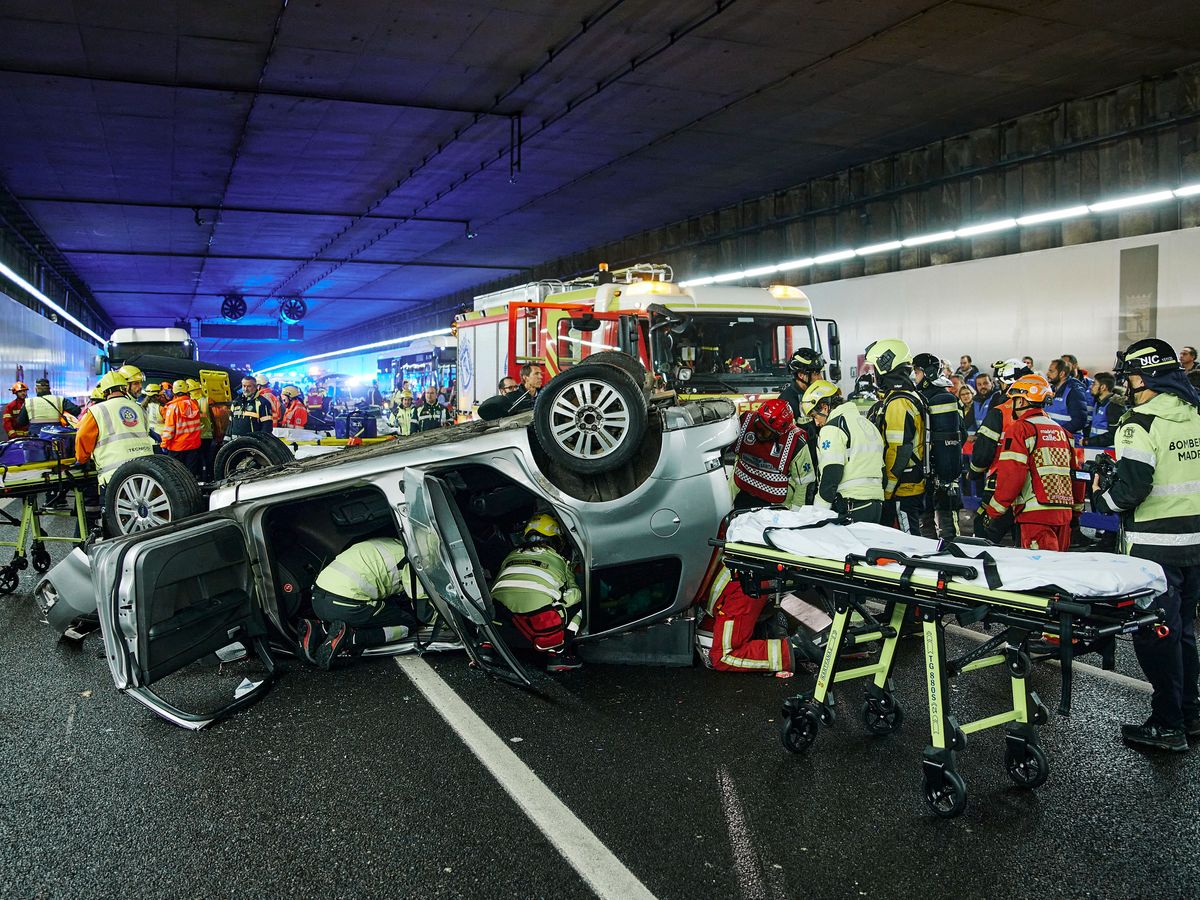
[
  {"x": 128, "y": 417},
  {"x": 1128, "y": 432}
]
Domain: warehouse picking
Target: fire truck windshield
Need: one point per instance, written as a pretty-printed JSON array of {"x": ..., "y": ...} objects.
[{"x": 745, "y": 351}]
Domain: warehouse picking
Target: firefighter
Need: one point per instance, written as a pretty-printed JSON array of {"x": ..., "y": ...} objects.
[
  {"x": 986, "y": 451},
  {"x": 1035, "y": 471},
  {"x": 207, "y": 452},
  {"x": 12, "y": 410},
  {"x": 265, "y": 392},
  {"x": 153, "y": 405},
  {"x": 734, "y": 615},
  {"x": 295, "y": 413},
  {"x": 849, "y": 455},
  {"x": 180, "y": 434},
  {"x": 46, "y": 409},
  {"x": 134, "y": 378},
  {"x": 113, "y": 431},
  {"x": 430, "y": 414},
  {"x": 806, "y": 366},
  {"x": 1157, "y": 495},
  {"x": 943, "y": 499},
  {"x": 402, "y": 416},
  {"x": 536, "y": 584},
  {"x": 363, "y": 598},
  {"x": 248, "y": 412},
  {"x": 900, "y": 417},
  {"x": 774, "y": 463}
]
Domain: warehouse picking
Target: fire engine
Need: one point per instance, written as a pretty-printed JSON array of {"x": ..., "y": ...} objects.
[{"x": 699, "y": 341}]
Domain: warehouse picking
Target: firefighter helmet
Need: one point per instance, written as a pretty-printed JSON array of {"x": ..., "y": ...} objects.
[
  {"x": 1010, "y": 369},
  {"x": 290, "y": 391},
  {"x": 817, "y": 393},
  {"x": 806, "y": 360},
  {"x": 179, "y": 386},
  {"x": 195, "y": 388},
  {"x": 929, "y": 363},
  {"x": 132, "y": 373},
  {"x": 261, "y": 381},
  {"x": 775, "y": 415},
  {"x": 888, "y": 355},
  {"x": 1034, "y": 388},
  {"x": 1152, "y": 356},
  {"x": 112, "y": 381},
  {"x": 543, "y": 528},
  {"x": 96, "y": 393},
  {"x": 19, "y": 386}
]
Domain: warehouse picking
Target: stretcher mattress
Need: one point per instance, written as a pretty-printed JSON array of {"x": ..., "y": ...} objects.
[{"x": 1019, "y": 571}]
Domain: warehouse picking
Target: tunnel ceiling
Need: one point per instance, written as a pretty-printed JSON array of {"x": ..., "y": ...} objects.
[{"x": 344, "y": 151}]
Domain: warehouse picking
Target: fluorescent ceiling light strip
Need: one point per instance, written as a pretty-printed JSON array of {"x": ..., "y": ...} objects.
[
  {"x": 795, "y": 264},
  {"x": 1135, "y": 200},
  {"x": 885, "y": 247},
  {"x": 728, "y": 276},
  {"x": 986, "y": 228},
  {"x": 935, "y": 238},
  {"x": 1188, "y": 190},
  {"x": 760, "y": 271},
  {"x": 833, "y": 257},
  {"x": 697, "y": 282},
  {"x": 362, "y": 348},
  {"x": 21, "y": 282},
  {"x": 1054, "y": 215}
]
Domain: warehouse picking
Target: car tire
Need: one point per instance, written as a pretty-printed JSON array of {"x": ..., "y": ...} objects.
[
  {"x": 249, "y": 452},
  {"x": 623, "y": 361},
  {"x": 590, "y": 419},
  {"x": 147, "y": 492}
]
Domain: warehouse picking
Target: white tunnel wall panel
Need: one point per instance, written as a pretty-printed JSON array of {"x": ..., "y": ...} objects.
[
  {"x": 1040, "y": 304},
  {"x": 31, "y": 341}
]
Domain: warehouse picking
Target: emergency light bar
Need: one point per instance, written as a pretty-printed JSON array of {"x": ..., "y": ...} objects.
[{"x": 966, "y": 231}]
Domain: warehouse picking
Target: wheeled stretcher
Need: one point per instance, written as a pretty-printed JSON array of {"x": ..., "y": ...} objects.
[
  {"x": 1084, "y": 598},
  {"x": 34, "y": 481}
]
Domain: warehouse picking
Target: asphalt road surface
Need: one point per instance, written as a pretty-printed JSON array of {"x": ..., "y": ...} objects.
[{"x": 623, "y": 781}]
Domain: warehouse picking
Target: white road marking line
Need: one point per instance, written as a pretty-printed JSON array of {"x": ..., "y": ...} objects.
[
  {"x": 587, "y": 855},
  {"x": 71, "y": 718},
  {"x": 745, "y": 861},
  {"x": 1115, "y": 677}
]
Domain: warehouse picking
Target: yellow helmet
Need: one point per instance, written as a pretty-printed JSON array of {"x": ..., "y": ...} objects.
[
  {"x": 815, "y": 393},
  {"x": 406, "y": 395},
  {"x": 179, "y": 386},
  {"x": 112, "y": 381},
  {"x": 542, "y": 528},
  {"x": 132, "y": 373},
  {"x": 290, "y": 391},
  {"x": 152, "y": 389},
  {"x": 96, "y": 393},
  {"x": 195, "y": 388},
  {"x": 888, "y": 355}
]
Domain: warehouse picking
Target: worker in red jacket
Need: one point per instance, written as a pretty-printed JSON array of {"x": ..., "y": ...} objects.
[
  {"x": 295, "y": 413},
  {"x": 13, "y": 408},
  {"x": 1035, "y": 471},
  {"x": 774, "y": 464},
  {"x": 733, "y": 615}
]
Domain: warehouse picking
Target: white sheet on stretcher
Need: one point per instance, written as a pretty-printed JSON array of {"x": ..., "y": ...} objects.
[{"x": 1082, "y": 574}]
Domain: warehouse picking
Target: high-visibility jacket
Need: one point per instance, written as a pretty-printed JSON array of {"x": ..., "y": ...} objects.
[
  {"x": 296, "y": 414},
  {"x": 154, "y": 415},
  {"x": 181, "y": 425},
  {"x": 735, "y": 615},
  {"x": 276, "y": 407},
  {"x": 1035, "y": 474},
  {"x": 900, "y": 418},
  {"x": 774, "y": 472},
  {"x": 850, "y": 457},
  {"x": 206, "y": 422},
  {"x": 402, "y": 418},
  {"x": 314, "y": 400},
  {"x": 1103, "y": 431},
  {"x": 370, "y": 572},
  {"x": 121, "y": 435},
  {"x": 1158, "y": 481},
  {"x": 533, "y": 578},
  {"x": 429, "y": 416},
  {"x": 249, "y": 414},
  {"x": 45, "y": 410}
]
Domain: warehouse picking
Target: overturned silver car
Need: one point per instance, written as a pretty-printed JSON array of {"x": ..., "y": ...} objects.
[{"x": 242, "y": 572}]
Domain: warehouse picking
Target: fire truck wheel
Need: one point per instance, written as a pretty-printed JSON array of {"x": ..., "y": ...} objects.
[
  {"x": 147, "y": 492},
  {"x": 590, "y": 419},
  {"x": 250, "y": 451},
  {"x": 622, "y": 361}
]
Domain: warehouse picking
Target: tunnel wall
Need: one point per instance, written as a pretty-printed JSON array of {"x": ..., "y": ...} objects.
[{"x": 31, "y": 342}]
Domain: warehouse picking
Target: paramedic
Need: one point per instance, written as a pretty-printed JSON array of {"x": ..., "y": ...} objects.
[
  {"x": 112, "y": 432},
  {"x": 734, "y": 615},
  {"x": 849, "y": 455},
  {"x": 1157, "y": 493},
  {"x": 363, "y": 598},
  {"x": 45, "y": 409},
  {"x": 900, "y": 417},
  {"x": 774, "y": 464}
]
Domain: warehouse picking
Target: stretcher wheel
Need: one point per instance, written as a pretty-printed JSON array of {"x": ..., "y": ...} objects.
[
  {"x": 800, "y": 731},
  {"x": 882, "y": 715},
  {"x": 9, "y": 579},
  {"x": 1027, "y": 768},
  {"x": 950, "y": 799},
  {"x": 19, "y": 563},
  {"x": 41, "y": 559}
]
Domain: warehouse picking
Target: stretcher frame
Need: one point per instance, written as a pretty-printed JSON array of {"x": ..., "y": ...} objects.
[
  {"x": 923, "y": 592},
  {"x": 28, "y": 483}
]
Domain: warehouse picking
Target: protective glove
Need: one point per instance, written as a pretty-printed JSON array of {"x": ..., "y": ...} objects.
[{"x": 993, "y": 530}]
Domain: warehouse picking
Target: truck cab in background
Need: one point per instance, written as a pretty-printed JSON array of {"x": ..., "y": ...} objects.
[
  {"x": 701, "y": 342},
  {"x": 127, "y": 343}
]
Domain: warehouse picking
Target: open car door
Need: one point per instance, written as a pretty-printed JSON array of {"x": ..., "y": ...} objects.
[
  {"x": 443, "y": 556},
  {"x": 169, "y": 597}
]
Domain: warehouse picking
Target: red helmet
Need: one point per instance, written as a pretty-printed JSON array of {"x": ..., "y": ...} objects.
[{"x": 776, "y": 415}]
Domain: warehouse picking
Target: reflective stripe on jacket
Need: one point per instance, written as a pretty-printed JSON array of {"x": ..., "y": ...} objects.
[
  {"x": 121, "y": 435},
  {"x": 296, "y": 414},
  {"x": 532, "y": 578},
  {"x": 764, "y": 469},
  {"x": 369, "y": 572},
  {"x": 850, "y": 450},
  {"x": 1035, "y": 472},
  {"x": 900, "y": 419},
  {"x": 181, "y": 425}
]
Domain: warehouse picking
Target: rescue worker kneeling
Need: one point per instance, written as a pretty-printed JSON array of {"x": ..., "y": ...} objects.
[
  {"x": 734, "y": 615},
  {"x": 849, "y": 455},
  {"x": 536, "y": 584},
  {"x": 363, "y": 601}
]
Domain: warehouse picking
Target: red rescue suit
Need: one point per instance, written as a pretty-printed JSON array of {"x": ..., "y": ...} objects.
[
  {"x": 12, "y": 411},
  {"x": 296, "y": 414},
  {"x": 734, "y": 647},
  {"x": 1035, "y": 476},
  {"x": 763, "y": 468}
]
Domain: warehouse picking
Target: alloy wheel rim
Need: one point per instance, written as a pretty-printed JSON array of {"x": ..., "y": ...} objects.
[
  {"x": 590, "y": 419},
  {"x": 140, "y": 504}
]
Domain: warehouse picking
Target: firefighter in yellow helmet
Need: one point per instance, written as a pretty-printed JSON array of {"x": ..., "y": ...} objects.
[
  {"x": 180, "y": 433},
  {"x": 900, "y": 416},
  {"x": 207, "y": 427},
  {"x": 113, "y": 431},
  {"x": 537, "y": 586},
  {"x": 134, "y": 378},
  {"x": 295, "y": 413}
]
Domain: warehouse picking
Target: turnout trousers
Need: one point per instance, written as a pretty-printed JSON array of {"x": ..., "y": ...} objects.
[{"x": 734, "y": 647}]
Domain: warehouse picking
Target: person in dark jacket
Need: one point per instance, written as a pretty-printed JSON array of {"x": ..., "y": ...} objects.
[
  {"x": 1068, "y": 407},
  {"x": 1109, "y": 409}
]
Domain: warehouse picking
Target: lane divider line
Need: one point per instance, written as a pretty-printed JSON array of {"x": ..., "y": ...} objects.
[
  {"x": 579, "y": 846},
  {"x": 745, "y": 863}
]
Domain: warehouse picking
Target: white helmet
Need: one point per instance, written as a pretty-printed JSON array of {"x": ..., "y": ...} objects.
[{"x": 1011, "y": 369}]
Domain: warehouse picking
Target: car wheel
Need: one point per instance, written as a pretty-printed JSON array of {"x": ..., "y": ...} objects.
[
  {"x": 248, "y": 452},
  {"x": 622, "y": 361},
  {"x": 590, "y": 419},
  {"x": 147, "y": 492}
]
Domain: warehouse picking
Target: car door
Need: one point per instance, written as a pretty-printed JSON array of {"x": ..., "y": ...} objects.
[
  {"x": 171, "y": 596},
  {"x": 443, "y": 556}
]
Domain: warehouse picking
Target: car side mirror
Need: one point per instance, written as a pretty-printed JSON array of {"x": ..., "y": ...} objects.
[
  {"x": 585, "y": 323},
  {"x": 835, "y": 352}
]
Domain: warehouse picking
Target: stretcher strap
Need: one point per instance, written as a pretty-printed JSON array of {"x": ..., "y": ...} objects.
[
  {"x": 1066, "y": 651},
  {"x": 991, "y": 572},
  {"x": 770, "y": 543}
]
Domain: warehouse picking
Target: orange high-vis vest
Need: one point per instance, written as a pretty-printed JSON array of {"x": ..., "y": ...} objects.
[
  {"x": 181, "y": 424},
  {"x": 276, "y": 407},
  {"x": 296, "y": 414}
]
